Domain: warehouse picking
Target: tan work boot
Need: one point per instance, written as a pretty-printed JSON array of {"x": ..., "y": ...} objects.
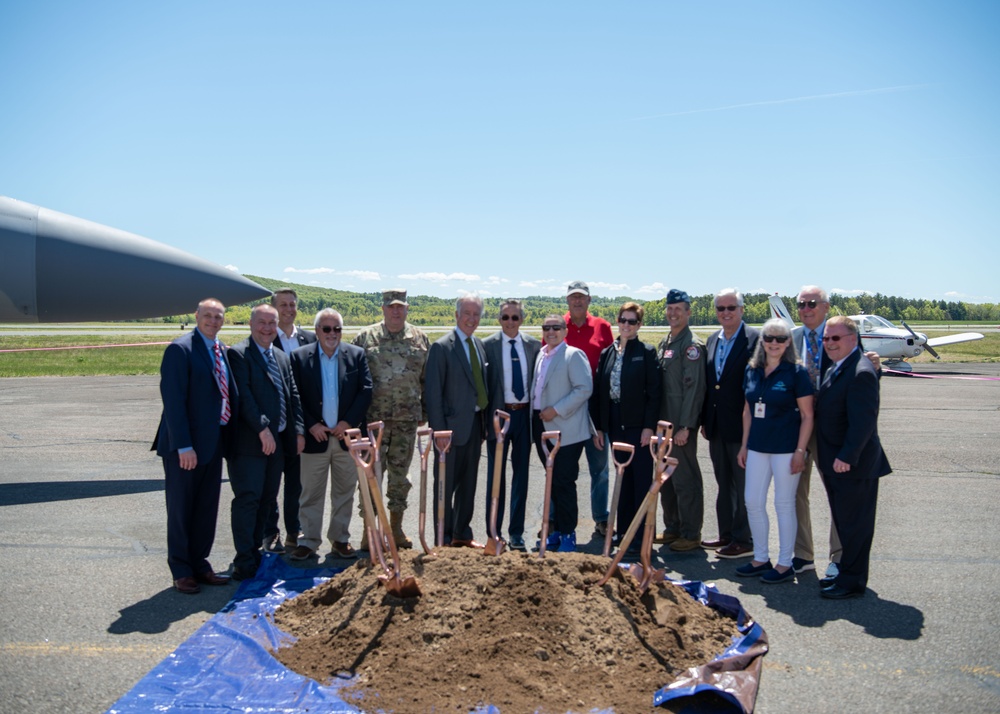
[{"x": 396, "y": 522}]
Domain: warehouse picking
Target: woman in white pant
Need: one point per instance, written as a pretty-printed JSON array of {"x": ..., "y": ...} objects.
[{"x": 777, "y": 422}]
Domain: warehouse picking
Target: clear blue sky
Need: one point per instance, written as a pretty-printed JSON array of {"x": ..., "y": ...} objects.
[{"x": 511, "y": 147}]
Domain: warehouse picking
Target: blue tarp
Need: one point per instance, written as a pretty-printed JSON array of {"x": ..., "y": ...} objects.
[{"x": 227, "y": 666}]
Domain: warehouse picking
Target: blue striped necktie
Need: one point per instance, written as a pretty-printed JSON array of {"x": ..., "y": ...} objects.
[{"x": 272, "y": 369}]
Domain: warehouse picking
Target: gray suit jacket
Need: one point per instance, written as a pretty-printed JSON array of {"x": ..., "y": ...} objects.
[
  {"x": 449, "y": 392},
  {"x": 568, "y": 386},
  {"x": 494, "y": 346}
]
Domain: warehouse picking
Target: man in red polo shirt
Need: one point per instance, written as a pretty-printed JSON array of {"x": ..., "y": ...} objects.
[{"x": 590, "y": 334}]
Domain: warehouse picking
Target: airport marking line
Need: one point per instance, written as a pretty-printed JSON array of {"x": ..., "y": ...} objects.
[{"x": 81, "y": 347}]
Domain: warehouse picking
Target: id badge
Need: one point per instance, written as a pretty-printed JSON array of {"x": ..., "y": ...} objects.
[{"x": 758, "y": 410}]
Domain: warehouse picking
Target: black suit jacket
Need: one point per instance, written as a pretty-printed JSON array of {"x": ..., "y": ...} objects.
[
  {"x": 304, "y": 338},
  {"x": 847, "y": 421},
  {"x": 192, "y": 402},
  {"x": 722, "y": 414},
  {"x": 640, "y": 392},
  {"x": 493, "y": 346},
  {"x": 355, "y": 393},
  {"x": 259, "y": 404}
]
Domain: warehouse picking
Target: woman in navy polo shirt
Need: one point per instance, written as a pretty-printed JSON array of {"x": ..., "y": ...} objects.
[{"x": 777, "y": 422}]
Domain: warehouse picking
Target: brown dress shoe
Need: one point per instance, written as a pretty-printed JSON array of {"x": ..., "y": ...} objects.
[
  {"x": 188, "y": 586},
  {"x": 665, "y": 537},
  {"x": 716, "y": 544},
  {"x": 684, "y": 544},
  {"x": 210, "y": 578},
  {"x": 734, "y": 550},
  {"x": 459, "y": 543},
  {"x": 302, "y": 552},
  {"x": 343, "y": 550}
]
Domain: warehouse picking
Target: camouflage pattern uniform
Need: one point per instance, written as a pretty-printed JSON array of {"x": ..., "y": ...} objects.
[
  {"x": 682, "y": 368},
  {"x": 397, "y": 363}
]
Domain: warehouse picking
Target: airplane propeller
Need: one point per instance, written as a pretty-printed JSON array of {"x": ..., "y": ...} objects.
[{"x": 918, "y": 338}]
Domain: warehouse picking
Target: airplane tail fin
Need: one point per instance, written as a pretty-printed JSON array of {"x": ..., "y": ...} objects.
[{"x": 780, "y": 310}]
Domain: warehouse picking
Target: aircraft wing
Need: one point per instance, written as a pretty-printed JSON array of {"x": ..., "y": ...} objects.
[{"x": 954, "y": 339}]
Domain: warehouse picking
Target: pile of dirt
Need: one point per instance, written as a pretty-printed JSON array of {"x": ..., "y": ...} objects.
[{"x": 516, "y": 631}]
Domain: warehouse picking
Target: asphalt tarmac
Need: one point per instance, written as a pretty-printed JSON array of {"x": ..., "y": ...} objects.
[{"x": 88, "y": 607}]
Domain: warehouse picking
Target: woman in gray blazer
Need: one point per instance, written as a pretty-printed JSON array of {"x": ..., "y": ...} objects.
[{"x": 560, "y": 392}]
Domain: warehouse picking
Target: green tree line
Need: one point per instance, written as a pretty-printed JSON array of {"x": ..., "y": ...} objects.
[{"x": 366, "y": 308}]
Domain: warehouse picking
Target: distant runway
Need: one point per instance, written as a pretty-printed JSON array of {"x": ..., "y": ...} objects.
[{"x": 89, "y": 607}]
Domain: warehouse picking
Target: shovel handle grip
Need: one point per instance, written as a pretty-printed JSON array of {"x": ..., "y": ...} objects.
[
  {"x": 501, "y": 423},
  {"x": 550, "y": 453},
  {"x": 442, "y": 442}
]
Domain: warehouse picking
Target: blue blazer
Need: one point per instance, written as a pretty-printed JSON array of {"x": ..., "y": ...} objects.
[
  {"x": 722, "y": 413},
  {"x": 355, "y": 391},
  {"x": 847, "y": 421},
  {"x": 260, "y": 406},
  {"x": 192, "y": 402}
]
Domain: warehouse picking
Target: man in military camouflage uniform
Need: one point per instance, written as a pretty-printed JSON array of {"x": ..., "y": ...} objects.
[
  {"x": 682, "y": 369},
  {"x": 396, "y": 352}
]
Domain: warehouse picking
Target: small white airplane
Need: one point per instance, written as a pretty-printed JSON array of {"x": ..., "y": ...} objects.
[{"x": 892, "y": 344}]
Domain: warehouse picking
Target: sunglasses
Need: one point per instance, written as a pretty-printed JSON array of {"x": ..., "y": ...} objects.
[
  {"x": 552, "y": 328},
  {"x": 803, "y": 304},
  {"x": 515, "y": 318},
  {"x": 627, "y": 321},
  {"x": 723, "y": 308},
  {"x": 835, "y": 338},
  {"x": 328, "y": 329},
  {"x": 780, "y": 339}
]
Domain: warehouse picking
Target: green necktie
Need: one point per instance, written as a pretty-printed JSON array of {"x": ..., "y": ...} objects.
[{"x": 477, "y": 375}]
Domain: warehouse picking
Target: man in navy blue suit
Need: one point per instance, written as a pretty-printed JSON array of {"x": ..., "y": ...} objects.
[
  {"x": 850, "y": 456},
  {"x": 270, "y": 430},
  {"x": 200, "y": 410}
]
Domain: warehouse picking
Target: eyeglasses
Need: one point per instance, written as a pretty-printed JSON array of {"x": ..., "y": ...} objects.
[
  {"x": 723, "y": 308},
  {"x": 834, "y": 338},
  {"x": 803, "y": 304},
  {"x": 780, "y": 339},
  {"x": 552, "y": 328},
  {"x": 515, "y": 318},
  {"x": 329, "y": 328},
  {"x": 627, "y": 321}
]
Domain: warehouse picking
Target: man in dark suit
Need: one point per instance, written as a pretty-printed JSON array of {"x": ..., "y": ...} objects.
[
  {"x": 456, "y": 400},
  {"x": 289, "y": 337},
  {"x": 270, "y": 429},
  {"x": 335, "y": 386},
  {"x": 727, "y": 352},
  {"x": 511, "y": 355},
  {"x": 850, "y": 456},
  {"x": 200, "y": 410}
]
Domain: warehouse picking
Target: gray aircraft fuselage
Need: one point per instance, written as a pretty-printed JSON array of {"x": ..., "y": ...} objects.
[{"x": 58, "y": 268}]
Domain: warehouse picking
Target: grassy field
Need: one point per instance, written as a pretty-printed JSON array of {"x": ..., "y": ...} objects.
[{"x": 104, "y": 355}]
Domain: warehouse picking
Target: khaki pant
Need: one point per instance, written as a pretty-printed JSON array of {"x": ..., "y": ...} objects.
[
  {"x": 803, "y": 534},
  {"x": 338, "y": 467}
]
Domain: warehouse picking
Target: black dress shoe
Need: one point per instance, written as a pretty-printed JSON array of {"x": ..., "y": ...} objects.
[
  {"x": 243, "y": 573},
  {"x": 838, "y": 592},
  {"x": 827, "y": 582}
]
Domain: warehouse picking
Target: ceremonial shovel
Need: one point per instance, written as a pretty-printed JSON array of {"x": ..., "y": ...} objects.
[
  {"x": 425, "y": 448},
  {"x": 550, "y": 460},
  {"x": 495, "y": 544}
]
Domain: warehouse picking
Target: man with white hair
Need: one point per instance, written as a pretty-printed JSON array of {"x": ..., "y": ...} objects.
[{"x": 456, "y": 399}]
